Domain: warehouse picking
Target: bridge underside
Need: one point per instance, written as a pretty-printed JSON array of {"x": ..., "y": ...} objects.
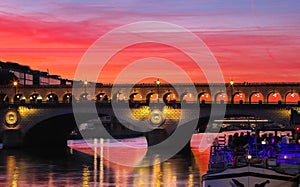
[
  {"x": 53, "y": 132},
  {"x": 50, "y": 133}
]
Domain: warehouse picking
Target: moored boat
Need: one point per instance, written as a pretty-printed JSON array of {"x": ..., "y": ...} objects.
[{"x": 261, "y": 163}]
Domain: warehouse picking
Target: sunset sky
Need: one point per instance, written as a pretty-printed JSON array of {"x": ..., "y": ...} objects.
[{"x": 253, "y": 41}]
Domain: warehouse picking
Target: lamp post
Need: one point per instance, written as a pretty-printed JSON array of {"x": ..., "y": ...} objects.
[
  {"x": 15, "y": 83},
  {"x": 231, "y": 82},
  {"x": 85, "y": 89},
  {"x": 157, "y": 82},
  {"x": 85, "y": 85}
]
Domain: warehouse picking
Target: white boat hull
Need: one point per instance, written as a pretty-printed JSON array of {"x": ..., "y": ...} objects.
[{"x": 249, "y": 176}]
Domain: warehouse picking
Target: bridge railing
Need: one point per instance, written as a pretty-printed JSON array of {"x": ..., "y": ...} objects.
[{"x": 136, "y": 104}]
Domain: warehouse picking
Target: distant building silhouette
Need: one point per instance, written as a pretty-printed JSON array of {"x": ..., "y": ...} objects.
[{"x": 11, "y": 71}]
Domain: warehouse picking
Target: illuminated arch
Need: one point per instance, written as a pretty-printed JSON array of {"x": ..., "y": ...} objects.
[
  {"x": 238, "y": 98},
  {"x": 221, "y": 98},
  {"x": 67, "y": 98},
  {"x": 19, "y": 98},
  {"x": 4, "y": 98},
  {"x": 151, "y": 97},
  {"x": 83, "y": 97},
  {"x": 120, "y": 97},
  {"x": 135, "y": 97},
  {"x": 35, "y": 98},
  {"x": 204, "y": 97},
  {"x": 52, "y": 98},
  {"x": 101, "y": 97},
  {"x": 274, "y": 97},
  {"x": 169, "y": 97},
  {"x": 292, "y": 98},
  {"x": 187, "y": 97},
  {"x": 256, "y": 98}
]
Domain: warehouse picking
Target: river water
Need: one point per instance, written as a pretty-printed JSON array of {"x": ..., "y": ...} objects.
[{"x": 84, "y": 166}]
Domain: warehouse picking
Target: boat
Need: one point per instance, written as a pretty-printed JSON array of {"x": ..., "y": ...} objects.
[{"x": 261, "y": 163}]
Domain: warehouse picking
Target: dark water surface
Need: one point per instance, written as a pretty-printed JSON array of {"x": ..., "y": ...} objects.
[{"x": 73, "y": 168}]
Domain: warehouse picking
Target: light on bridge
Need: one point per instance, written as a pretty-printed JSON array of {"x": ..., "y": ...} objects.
[
  {"x": 157, "y": 82},
  {"x": 15, "y": 83},
  {"x": 206, "y": 95}
]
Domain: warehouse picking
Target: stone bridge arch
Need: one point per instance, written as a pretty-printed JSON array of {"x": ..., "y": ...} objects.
[
  {"x": 238, "y": 97},
  {"x": 4, "y": 98},
  {"x": 291, "y": 97},
  {"x": 204, "y": 97},
  {"x": 256, "y": 97},
  {"x": 274, "y": 97},
  {"x": 67, "y": 97},
  {"x": 50, "y": 125}
]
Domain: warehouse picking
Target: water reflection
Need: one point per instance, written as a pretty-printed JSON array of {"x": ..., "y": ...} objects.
[
  {"x": 20, "y": 168},
  {"x": 178, "y": 171},
  {"x": 12, "y": 171}
]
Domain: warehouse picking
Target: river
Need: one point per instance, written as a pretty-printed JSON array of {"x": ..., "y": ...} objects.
[{"x": 81, "y": 165}]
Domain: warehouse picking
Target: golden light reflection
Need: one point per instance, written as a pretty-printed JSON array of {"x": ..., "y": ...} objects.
[
  {"x": 142, "y": 113},
  {"x": 117, "y": 178},
  {"x": 168, "y": 178},
  {"x": 24, "y": 111},
  {"x": 50, "y": 181},
  {"x": 12, "y": 171},
  {"x": 157, "y": 174},
  {"x": 95, "y": 160},
  {"x": 143, "y": 179},
  {"x": 85, "y": 177},
  {"x": 161, "y": 174},
  {"x": 171, "y": 113},
  {"x": 101, "y": 164},
  {"x": 191, "y": 177}
]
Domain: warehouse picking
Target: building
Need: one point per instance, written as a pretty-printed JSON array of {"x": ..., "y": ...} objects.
[{"x": 11, "y": 71}]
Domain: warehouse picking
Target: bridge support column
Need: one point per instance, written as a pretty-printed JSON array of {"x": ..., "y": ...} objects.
[
  {"x": 12, "y": 139},
  {"x": 157, "y": 136}
]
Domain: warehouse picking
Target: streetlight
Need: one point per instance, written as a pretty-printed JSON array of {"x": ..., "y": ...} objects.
[
  {"x": 85, "y": 85},
  {"x": 157, "y": 82},
  {"x": 231, "y": 82},
  {"x": 15, "y": 83}
]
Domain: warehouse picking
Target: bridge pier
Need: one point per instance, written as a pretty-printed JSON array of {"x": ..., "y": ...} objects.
[
  {"x": 157, "y": 136},
  {"x": 12, "y": 139}
]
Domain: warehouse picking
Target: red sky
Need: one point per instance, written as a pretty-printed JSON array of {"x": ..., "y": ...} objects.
[{"x": 252, "y": 41}]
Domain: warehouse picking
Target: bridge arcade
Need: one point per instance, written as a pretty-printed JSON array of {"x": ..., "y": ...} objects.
[{"x": 238, "y": 93}]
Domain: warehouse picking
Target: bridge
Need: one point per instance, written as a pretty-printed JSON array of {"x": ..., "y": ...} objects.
[
  {"x": 234, "y": 93},
  {"x": 31, "y": 116}
]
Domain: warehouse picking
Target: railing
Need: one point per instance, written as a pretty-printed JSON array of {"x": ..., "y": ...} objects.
[{"x": 140, "y": 104}]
